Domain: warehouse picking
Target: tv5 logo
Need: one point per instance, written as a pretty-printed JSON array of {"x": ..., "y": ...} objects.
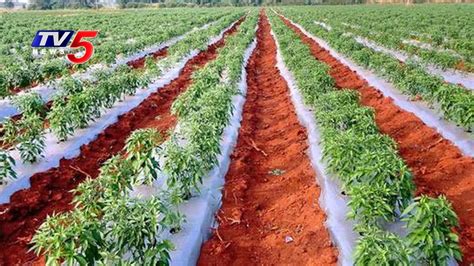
[{"x": 61, "y": 38}]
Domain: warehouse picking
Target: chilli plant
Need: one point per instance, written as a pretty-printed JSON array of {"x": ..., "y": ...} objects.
[
  {"x": 112, "y": 227},
  {"x": 376, "y": 247},
  {"x": 141, "y": 152},
  {"x": 374, "y": 177},
  {"x": 60, "y": 121},
  {"x": 430, "y": 222},
  {"x": 108, "y": 227},
  {"x": 28, "y": 136},
  {"x": 31, "y": 140},
  {"x": 30, "y": 103},
  {"x": 6, "y": 167}
]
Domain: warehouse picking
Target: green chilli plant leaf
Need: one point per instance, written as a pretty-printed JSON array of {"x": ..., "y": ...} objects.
[
  {"x": 134, "y": 225},
  {"x": 376, "y": 247},
  {"x": 430, "y": 223},
  {"x": 151, "y": 66},
  {"x": 141, "y": 149},
  {"x": 31, "y": 141},
  {"x": 60, "y": 121},
  {"x": 30, "y": 103},
  {"x": 114, "y": 181},
  {"x": 70, "y": 86},
  {"x": 6, "y": 167},
  {"x": 108, "y": 227},
  {"x": 181, "y": 167},
  {"x": 72, "y": 238},
  {"x": 371, "y": 203},
  {"x": 27, "y": 134},
  {"x": 4, "y": 86},
  {"x": 11, "y": 131}
]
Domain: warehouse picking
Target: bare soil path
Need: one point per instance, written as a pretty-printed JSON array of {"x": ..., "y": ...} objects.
[
  {"x": 135, "y": 64},
  {"x": 50, "y": 191},
  {"x": 270, "y": 213},
  {"x": 438, "y": 165}
]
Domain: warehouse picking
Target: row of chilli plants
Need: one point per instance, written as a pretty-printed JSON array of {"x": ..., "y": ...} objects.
[
  {"x": 441, "y": 35},
  {"x": 377, "y": 181},
  {"x": 109, "y": 226},
  {"x": 80, "y": 103},
  {"x": 122, "y": 33},
  {"x": 454, "y": 102}
]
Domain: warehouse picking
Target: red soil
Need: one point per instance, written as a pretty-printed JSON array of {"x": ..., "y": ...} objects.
[
  {"x": 50, "y": 191},
  {"x": 140, "y": 62},
  {"x": 438, "y": 165},
  {"x": 18, "y": 89},
  {"x": 137, "y": 63},
  {"x": 260, "y": 208}
]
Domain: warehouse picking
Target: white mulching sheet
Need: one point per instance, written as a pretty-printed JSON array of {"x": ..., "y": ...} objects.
[
  {"x": 331, "y": 200},
  {"x": 463, "y": 140},
  {"x": 200, "y": 210},
  {"x": 324, "y": 25},
  {"x": 48, "y": 90},
  {"x": 429, "y": 46},
  {"x": 332, "y": 193},
  {"x": 449, "y": 75},
  {"x": 55, "y": 151}
]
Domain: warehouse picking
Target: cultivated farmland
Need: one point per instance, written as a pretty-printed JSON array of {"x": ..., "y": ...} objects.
[{"x": 286, "y": 135}]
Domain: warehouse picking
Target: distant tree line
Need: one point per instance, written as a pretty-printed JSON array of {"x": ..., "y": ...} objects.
[
  {"x": 62, "y": 4},
  {"x": 10, "y": 4},
  {"x": 175, "y": 3},
  {"x": 192, "y": 3},
  {"x": 59, "y": 4}
]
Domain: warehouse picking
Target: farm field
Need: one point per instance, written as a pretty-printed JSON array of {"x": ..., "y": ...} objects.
[{"x": 286, "y": 135}]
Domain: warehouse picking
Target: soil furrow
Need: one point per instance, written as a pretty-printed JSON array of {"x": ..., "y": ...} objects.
[
  {"x": 135, "y": 64},
  {"x": 270, "y": 213},
  {"x": 439, "y": 167},
  {"x": 140, "y": 62},
  {"x": 50, "y": 191}
]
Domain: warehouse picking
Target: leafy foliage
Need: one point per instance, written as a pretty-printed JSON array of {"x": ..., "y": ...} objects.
[
  {"x": 375, "y": 178},
  {"x": 71, "y": 86},
  {"x": 31, "y": 141},
  {"x": 140, "y": 148},
  {"x": 28, "y": 136},
  {"x": 29, "y": 104},
  {"x": 108, "y": 223},
  {"x": 6, "y": 167},
  {"x": 454, "y": 102},
  {"x": 381, "y": 248},
  {"x": 22, "y": 65},
  {"x": 112, "y": 226},
  {"x": 430, "y": 222},
  {"x": 435, "y": 34},
  {"x": 60, "y": 123}
]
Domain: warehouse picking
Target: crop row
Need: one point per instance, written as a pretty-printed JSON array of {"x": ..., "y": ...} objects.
[
  {"x": 454, "y": 102},
  {"x": 109, "y": 225},
  {"x": 440, "y": 35},
  {"x": 377, "y": 181},
  {"x": 120, "y": 33},
  {"x": 80, "y": 103}
]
